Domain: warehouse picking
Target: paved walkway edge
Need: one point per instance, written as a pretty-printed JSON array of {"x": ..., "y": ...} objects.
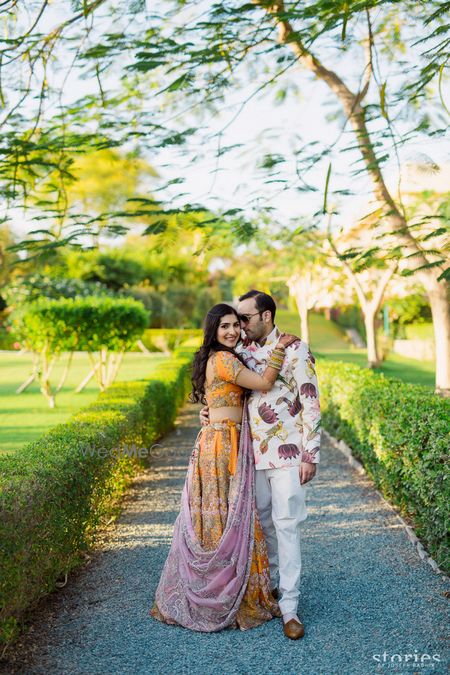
[{"x": 420, "y": 550}]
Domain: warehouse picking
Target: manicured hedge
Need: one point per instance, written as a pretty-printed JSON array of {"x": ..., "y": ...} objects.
[
  {"x": 400, "y": 433},
  {"x": 167, "y": 339},
  {"x": 84, "y": 324},
  {"x": 55, "y": 495},
  {"x": 155, "y": 339}
]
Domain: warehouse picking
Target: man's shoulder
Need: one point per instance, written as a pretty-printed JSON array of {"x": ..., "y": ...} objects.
[
  {"x": 297, "y": 345},
  {"x": 299, "y": 350}
]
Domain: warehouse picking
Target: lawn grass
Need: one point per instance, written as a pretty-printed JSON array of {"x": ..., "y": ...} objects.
[
  {"x": 26, "y": 416},
  {"x": 329, "y": 341},
  {"x": 324, "y": 334}
]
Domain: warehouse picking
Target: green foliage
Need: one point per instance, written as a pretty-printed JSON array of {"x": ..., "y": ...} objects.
[
  {"x": 413, "y": 308},
  {"x": 169, "y": 339},
  {"x": 8, "y": 339},
  {"x": 233, "y": 41},
  {"x": 350, "y": 317},
  {"x": 84, "y": 324},
  {"x": 62, "y": 488},
  {"x": 113, "y": 269},
  {"x": 400, "y": 433},
  {"x": 30, "y": 288},
  {"x": 178, "y": 305},
  {"x": 7, "y": 259},
  {"x": 419, "y": 331}
]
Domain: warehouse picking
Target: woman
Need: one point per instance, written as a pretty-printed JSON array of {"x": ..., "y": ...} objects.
[{"x": 217, "y": 572}]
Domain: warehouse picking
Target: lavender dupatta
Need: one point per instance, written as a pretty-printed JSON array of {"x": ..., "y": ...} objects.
[{"x": 202, "y": 590}]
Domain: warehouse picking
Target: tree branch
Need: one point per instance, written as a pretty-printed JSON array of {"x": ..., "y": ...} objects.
[
  {"x": 368, "y": 70},
  {"x": 381, "y": 287},
  {"x": 354, "y": 111}
]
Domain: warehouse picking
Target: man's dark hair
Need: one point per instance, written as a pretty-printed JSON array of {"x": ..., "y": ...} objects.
[{"x": 263, "y": 301}]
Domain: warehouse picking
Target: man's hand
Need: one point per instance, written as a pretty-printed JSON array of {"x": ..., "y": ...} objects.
[
  {"x": 204, "y": 416},
  {"x": 306, "y": 471}
]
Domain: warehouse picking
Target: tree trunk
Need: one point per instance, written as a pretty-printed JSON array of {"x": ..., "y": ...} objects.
[
  {"x": 65, "y": 373},
  {"x": 438, "y": 292},
  {"x": 117, "y": 366},
  {"x": 304, "y": 327},
  {"x": 438, "y": 295},
  {"x": 102, "y": 371},
  {"x": 45, "y": 385},
  {"x": 298, "y": 288},
  {"x": 373, "y": 359},
  {"x": 88, "y": 378}
]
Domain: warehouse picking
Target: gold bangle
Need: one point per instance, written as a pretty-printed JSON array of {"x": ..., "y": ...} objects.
[
  {"x": 276, "y": 360},
  {"x": 278, "y": 355}
]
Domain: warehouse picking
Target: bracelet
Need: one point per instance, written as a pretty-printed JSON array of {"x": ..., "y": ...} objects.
[
  {"x": 276, "y": 359},
  {"x": 278, "y": 352}
]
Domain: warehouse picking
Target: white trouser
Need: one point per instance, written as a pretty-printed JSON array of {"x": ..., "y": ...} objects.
[{"x": 280, "y": 499}]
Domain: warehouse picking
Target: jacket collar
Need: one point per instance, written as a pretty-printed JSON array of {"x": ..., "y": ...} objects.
[{"x": 271, "y": 339}]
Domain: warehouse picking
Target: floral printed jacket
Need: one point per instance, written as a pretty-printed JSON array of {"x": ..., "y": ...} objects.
[{"x": 285, "y": 421}]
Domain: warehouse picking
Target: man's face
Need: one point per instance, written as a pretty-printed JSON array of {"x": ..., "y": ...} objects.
[{"x": 258, "y": 324}]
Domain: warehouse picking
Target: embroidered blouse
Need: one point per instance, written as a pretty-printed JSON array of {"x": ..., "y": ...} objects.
[{"x": 223, "y": 391}]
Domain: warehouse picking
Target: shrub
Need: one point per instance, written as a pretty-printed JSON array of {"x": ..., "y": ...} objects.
[
  {"x": 178, "y": 305},
  {"x": 114, "y": 268},
  {"x": 85, "y": 324},
  {"x": 168, "y": 339},
  {"x": 400, "y": 433},
  {"x": 93, "y": 324},
  {"x": 61, "y": 488},
  {"x": 36, "y": 286},
  {"x": 413, "y": 308},
  {"x": 8, "y": 340},
  {"x": 350, "y": 317}
]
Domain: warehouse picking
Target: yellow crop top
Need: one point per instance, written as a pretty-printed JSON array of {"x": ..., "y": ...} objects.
[{"x": 223, "y": 390}]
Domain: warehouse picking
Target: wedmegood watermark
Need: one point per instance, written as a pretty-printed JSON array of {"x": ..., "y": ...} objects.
[
  {"x": 125, "y": 450},
  {"x": 396, "y": 661}
]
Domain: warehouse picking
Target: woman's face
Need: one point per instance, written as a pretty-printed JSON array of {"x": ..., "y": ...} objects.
[{"x": 229, "y": 330}]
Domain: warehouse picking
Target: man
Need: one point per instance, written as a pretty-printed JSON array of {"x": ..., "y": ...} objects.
[{"x": 285, "y": 427}]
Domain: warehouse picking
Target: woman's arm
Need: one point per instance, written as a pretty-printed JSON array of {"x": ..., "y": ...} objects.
[{"x": 250, "y": 380}]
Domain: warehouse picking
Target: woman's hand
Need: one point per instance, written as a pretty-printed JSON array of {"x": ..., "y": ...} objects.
[
  {"x": 204, "y": 416},
  {"x": 286, "y": 339}
]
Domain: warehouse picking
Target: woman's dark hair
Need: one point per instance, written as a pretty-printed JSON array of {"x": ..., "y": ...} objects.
[{"x": 211, "y": 324}]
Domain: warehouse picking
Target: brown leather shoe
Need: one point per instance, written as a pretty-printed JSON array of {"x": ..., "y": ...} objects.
[
  {"x": 293, "y": 629},
  {"x": 275, "y": 593}
]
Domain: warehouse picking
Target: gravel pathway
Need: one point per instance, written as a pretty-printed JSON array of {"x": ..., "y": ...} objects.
[{"x": 365, "y": 592}]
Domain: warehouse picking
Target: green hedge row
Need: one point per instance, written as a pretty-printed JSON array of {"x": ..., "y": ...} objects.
[
  {"x": 155, "y": 339},
  {"x": 80, "y": 324},
  {"x": 61, "y": 488},
  {"x": 400, "y": 433},
  {"x": 168, "y": 339}
]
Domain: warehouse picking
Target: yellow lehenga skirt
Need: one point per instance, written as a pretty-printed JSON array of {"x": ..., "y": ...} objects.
[{"x": 214, "y": 462}]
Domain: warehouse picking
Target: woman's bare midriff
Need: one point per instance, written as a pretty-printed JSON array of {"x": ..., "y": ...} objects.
[{"x": 233, "y": 413}]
